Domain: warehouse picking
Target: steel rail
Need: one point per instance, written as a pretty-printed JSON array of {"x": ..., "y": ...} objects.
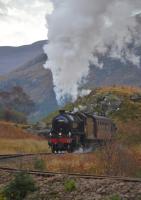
[
  {"x": 9, "y": 156},
  {"x": 75, "y": 175}
]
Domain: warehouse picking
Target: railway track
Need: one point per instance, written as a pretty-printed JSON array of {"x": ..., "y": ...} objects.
[
  {"x": 51, "y": 173},
  {"x": 74, "y": 175},
  {"x": 9, "y": 156},
  {"x": 18, "y": 155}
]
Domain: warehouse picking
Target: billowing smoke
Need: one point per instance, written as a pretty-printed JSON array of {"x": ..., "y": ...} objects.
[{"x": 81, "y": 30}]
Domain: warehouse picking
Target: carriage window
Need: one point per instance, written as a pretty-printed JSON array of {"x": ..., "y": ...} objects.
[
  {"x": 111, "y": 128},
  {"x": 74, "y": 125}
]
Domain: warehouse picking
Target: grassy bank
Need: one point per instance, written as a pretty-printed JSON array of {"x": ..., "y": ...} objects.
[
  {"x": 15, "y": 140},
  {"x": 9, "y": 146}
]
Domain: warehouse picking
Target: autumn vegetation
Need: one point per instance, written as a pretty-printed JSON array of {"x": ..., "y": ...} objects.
[
  {"x": 11, "y": 115},
  {"x": 15, "y": 140}
]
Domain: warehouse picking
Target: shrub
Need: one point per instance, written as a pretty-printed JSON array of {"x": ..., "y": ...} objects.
[
  {"x": 116, "y": 160},
  {"x": 39, "y": 164},
  {"x": 2, "y": 197},
  {"x": 19, "y": 187},
  {"x": 12, "y": 115},
  {"x": 115, "y": 197},
  {"x": 70, "y": 185},
  {"x": 138, "y": 173}
]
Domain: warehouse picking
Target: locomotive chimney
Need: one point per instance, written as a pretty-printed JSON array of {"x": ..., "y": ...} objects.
[{"x": 62, "y": 112}]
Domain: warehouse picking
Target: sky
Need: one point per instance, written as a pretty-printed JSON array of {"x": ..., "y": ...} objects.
[{"x": 23, "y": 21}]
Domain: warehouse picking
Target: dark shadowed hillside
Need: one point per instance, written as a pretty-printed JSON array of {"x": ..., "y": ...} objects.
[
  {"x": 16, "y": 99},
  {"x": 15, "y": 105}
]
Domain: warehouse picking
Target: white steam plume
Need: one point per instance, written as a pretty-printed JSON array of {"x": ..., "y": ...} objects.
[{"x": 79, "y": 30}]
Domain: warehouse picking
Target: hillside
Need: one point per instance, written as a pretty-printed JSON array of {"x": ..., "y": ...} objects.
[
  {"x": 14, "y": 57},
  {"x": 11, "y": 131},
  {"x": 16, "y": 99},
  {"x": 37, "y": 83},
  {"x": 122, "y": 104},
  {"x": 114, "y": 72},
  {"x": 15, "y": 140},
  {"x": 15, "y": 105}
]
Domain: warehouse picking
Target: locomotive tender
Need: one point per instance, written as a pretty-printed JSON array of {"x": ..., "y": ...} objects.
[{"x": 71, "y": 130}]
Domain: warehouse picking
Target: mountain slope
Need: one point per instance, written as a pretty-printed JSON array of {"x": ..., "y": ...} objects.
[
  {"x": 114, "y": 72},
  {"x": 13, "y": 57},
  {"x": 16, "y": 99},
  {"x": 37, "y": 83}
]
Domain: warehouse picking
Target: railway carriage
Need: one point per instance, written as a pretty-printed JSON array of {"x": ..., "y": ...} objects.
[{"x": 71, "y": 130}]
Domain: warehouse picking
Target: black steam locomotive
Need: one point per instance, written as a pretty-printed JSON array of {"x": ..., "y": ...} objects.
[{"x": 71, "y": 130}]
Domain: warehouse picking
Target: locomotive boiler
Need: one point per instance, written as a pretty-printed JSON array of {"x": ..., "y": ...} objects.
[{"x": 71, "y": 130}]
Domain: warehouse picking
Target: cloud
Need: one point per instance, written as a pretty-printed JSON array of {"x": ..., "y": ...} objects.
[
  {"x": 3, "y": 9},
  {"x": 23, "y": 21}
]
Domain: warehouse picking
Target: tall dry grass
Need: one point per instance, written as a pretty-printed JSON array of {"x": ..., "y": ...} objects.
[
  {"x": 11, "y": 131},
  {"x": 117, "y": 160},
  {"x": 84, "y": 163},
  {"x": 9, "y": 146},
  {"x": 112, "y": 160},
  {"x": 16, "y": 140}
]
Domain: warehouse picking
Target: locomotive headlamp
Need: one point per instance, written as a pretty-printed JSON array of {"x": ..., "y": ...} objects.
[
  {"x": 69, "y": 134},
  {"x": 60, "y": 134}
]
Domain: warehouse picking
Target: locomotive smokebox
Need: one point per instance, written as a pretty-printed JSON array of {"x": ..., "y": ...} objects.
[{"x": 62, "y": 112}]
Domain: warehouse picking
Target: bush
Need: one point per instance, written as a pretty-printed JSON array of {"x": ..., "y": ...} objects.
[
  {"x": 39, "y": 164},
  {"x": 12, "y": 115},
  {"x": 115, "y": 197},
  {"x": 116, "y": 160},
  {"x": 19, "y": 187},
  {"x": 2, "y": 197},
  {"x": 70, "y": 185}
]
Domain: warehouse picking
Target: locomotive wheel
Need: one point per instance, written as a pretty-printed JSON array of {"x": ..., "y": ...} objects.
[
  {"x": 69, "y": 148},
  {"x": 53, "y": 149}
]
